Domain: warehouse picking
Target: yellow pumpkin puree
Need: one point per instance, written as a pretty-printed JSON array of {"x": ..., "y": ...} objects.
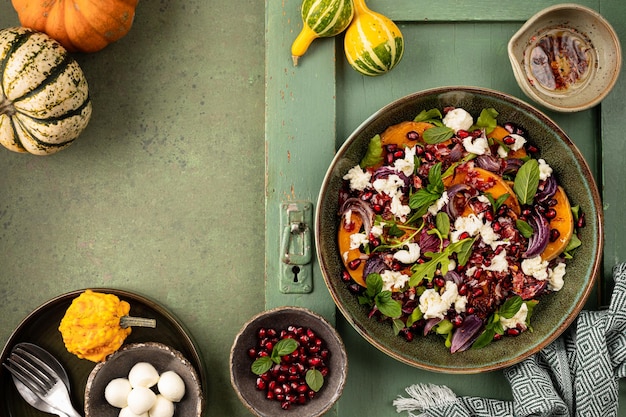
[{"x": 91, "y": 325}]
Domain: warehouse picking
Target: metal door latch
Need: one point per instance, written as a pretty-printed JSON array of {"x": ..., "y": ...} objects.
[{"x": 296, "y": 219}]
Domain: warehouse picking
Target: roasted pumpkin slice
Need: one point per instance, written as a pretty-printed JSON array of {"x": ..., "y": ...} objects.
[
  {"x": 563, "y": 222},
  {"x": 498, "y": 134},
  {"x": 348, "y": 255},
  {"x": 399, "y": 134},
  {"x": 498, "y": 189}
]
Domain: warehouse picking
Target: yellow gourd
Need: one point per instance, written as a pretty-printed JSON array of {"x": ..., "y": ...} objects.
[
  {"x": 91, "y": 325},
  {"x": 321, "y": 19},
  {"x": 373, "y": 44}
]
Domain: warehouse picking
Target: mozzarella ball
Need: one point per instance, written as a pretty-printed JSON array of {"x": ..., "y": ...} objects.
[
  {"x": 143, "y": 374},
  {"x": 171, "y": 386},
  {"x": 125, "y": 412},
  {"x": 141, "y": 399},
  {"x": 162, "y": 408},
  {"x": 116, "y": 392}
]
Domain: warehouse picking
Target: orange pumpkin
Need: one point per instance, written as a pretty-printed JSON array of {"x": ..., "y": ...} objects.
[{"x": 78, "y": 25}]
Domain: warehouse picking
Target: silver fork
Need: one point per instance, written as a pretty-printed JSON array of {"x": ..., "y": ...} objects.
[{"x": 41, "y": 379}]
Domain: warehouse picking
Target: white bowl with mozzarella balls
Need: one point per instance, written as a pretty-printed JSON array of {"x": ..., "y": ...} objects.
[{"x": 144, "y": 380}]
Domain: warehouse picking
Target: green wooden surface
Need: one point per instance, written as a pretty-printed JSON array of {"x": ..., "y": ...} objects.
[
  {"x": 163, "y": 193},
  {"x": 313, "y": 108}
]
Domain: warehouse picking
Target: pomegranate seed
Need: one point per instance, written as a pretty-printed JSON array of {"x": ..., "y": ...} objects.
[
  {"x": 419, "y": 151},
  {"x": 354, "y": 288},
  {"x": 345, "y": 276},
  {"x": 389, "y": 158},
  {"x": 377, "y": 208},
  {"x": 497, "y": 336},
  {"x": 462, "y": 133},
  {"x": 260, "y": 384},
  {"x": 477, "y": 292},
  {"x": 513, "y": 332},
  {"x": 554, "y": 235},
  {"x": 349, "y": 226},
  {"x": 470, "y": 310},
  {"x": 476, "y": 133},
  {"x": 478, "y": 273},
  {"x": 408, "y": 335},
  {"x": 252, "y": 353},
  {"x": 285, "y": 405},
  {"x": 532, "y": 149},
  {"x": 552, "y": 202},
  {"x": 366, "y": 196},
  {"x": 439, "y": 281},
  {"x": 429, "y": 156},
  {"x": 398, "y": 154},
  {"x": 261, "y": 333},
  {"x": 496, "y": 227},
  {"x": 463, "y": 290},
  {"x": 302, "y": 399},
  {"x": 413, "y": 135},
  {"x": 550, "y": 214},
  {"x": 489, "y": 215},
  {"x": 354, "y": 264},
  {"x": 463, "y": 235},
  {"x": 508, "y": 140},
  {"x": 391, "y": 147},
  {"x": 457, "y": 321},
  {"x": 581, "y": 222}
]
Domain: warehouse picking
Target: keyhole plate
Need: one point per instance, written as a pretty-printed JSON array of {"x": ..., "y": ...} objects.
[{"x": 296, "y": 270}]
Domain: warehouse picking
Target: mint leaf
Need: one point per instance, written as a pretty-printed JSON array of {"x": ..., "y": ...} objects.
[
  {"x": 510, "y": 307},
  {"x": 374, "y": 154},
  {"x": 398, "y": 325},
  {"x": 442, "y": 222},
  {"x": 531, "y": 304},
  {"x": 435, "y": 183},
  {"x": 285, "y": 347},
  {"x": 387, "y": 305},
  {"x": 524, "y": 228},
  {"x": 314, "y": 379},
  {"x": 437, "y": 134},
  {"x": 432, "y": 116},
  {"x": 485, "y": 338},
  {"x": 374, "y": 284},
  {"x": 527, "y": 181},
  {"x": 487, "y": 120},
  {"x": 262, "y": 365},
  {"x": 395, "y": 231}
]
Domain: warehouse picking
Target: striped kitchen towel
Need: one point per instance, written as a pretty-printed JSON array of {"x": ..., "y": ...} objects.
[{"x": 576, "y": 375}]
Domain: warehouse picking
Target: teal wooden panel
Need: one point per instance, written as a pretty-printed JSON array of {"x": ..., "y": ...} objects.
[{"x": 454, "y": 43}]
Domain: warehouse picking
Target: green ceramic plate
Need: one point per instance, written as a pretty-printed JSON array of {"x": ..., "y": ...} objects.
[
  {"x": 553, "y": 314},
  {"x": 41, "y": 328}
]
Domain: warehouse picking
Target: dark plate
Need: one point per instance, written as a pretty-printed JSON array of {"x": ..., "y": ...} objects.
[
  {"x": 553, "y": 314},
  {"x": 41, "y": 328}
]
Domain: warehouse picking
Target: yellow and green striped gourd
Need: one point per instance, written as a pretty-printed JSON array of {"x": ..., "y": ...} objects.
[
  {"x": 321, "y": 19},
  {"x": 44, "y": 97},
  {"x": 373, "y": 43}
]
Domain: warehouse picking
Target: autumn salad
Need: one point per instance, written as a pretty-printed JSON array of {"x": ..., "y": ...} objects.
[{"x": 454, "y": 226}]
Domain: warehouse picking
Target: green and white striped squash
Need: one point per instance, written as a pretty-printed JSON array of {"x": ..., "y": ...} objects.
[
  {"x": 321, "y": 19},
  {"x": 373, "y": 44},
  {"x": 44, "y": 97}
]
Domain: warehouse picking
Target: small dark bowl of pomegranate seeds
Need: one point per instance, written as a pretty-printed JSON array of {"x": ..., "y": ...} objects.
[{"x": 288, "y": 360}]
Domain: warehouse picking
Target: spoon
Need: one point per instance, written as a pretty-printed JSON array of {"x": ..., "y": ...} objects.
[{"x": 29, "y": 396}]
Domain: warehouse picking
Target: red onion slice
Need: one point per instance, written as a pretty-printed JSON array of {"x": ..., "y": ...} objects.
[
  {"x": 540, "y": 237},
  {"x": 362, "y": 209},
  {"x": 466, "y": 334}
]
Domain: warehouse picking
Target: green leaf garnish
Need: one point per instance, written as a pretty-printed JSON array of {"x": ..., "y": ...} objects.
[
  {"x": 441, "y": 261},
  {"x": 510, "y": 307},
  {"x": 282, "y": 348},
  {"x": 387, "y": 305},
  {"x": 314, "y": 379},
  {"x": 262, "y": 365},
  {"x": 487, "y": 120},
  {"x": 442, "y": 222},
  {"x": 437, "y": 134},
  {"x": 433, "y": 116},
  {"x": 527, "y": 181},
  {"x": 374, "y": 154},
  {"x": 524, "y": 228}
]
